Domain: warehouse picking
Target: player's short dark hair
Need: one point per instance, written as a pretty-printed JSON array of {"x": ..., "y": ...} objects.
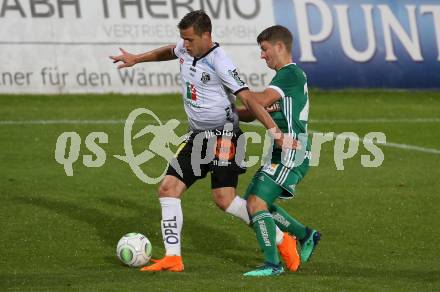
[
  {"x": 276, "y": 33},
  {"x": 197, "y": 19}
]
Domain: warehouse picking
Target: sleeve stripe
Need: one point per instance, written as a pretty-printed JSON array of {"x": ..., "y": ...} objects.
[
  {"x": 240, "y": 90},
  {"x": 277, "y": 89}
]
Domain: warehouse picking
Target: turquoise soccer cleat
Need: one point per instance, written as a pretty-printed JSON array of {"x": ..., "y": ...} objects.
[
  {"x": 266, "y": 270},
  {"x": 308, "y": 244}
]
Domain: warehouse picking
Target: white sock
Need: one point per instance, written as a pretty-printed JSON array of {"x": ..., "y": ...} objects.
[
  {"x": 238, "y": 209},
  {"x": 279, "y": 235},
  {"x": 171, "y": 224}
]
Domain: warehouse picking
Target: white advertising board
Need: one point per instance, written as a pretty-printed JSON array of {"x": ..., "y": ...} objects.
[{"x": 63, "y": 46}]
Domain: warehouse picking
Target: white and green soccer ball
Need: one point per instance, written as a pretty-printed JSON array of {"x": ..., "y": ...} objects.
[{"x": 134, "y": 249}]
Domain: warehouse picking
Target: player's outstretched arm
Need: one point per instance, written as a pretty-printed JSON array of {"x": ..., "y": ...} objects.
[{"x": 160, "y": 54}]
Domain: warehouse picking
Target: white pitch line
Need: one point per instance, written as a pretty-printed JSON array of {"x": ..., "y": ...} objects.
[
  {"x": 62, "y": 122},
  {"x": 110, "y": 122},
  {"x": 312, "y": 121},
  {"x": 412, "y": 147},
  {"x": 376, "y": 120},
  {"x": 387, "y": 144}
]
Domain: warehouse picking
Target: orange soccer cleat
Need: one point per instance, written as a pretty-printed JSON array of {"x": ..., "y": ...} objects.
[
  {"x": 168, "y": 263},
  {"x": 289, "y": 253}
]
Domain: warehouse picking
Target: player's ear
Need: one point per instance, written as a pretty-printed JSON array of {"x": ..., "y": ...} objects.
[
  {"x": 279, "y": 45},
  {"x": 206, "y": 35}
]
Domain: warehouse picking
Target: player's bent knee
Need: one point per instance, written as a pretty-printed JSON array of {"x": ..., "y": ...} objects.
[
  {"x": 222, "y": 202},
  {"x": 168, "y": 191},
  {"x": 171, "y": 187},
  {"x": 164, "y": 190},
  {"x": 220, "y": 205},
  {"x": 255, "y": 204},
  {"x": 223, "y": 197}
]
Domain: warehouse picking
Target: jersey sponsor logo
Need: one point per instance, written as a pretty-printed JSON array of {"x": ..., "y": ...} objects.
[
  {"x": 205, "y": 77},
  {"x": 191, "y": 92},
  {"x": 270, "y": 169},
  {"x": 234, "y": 74},
  {"x": 219, "y": 132},
  {"x": 264, "y": 232},
  {"x": 280, "y": 219},
  {"x": 192, "y": 69},
  {"x": 274, "y": 107},
  {"x": 225, "y": 149},
  {"x": 170, "y": 230},
  {"x": 192, "y": 103}
]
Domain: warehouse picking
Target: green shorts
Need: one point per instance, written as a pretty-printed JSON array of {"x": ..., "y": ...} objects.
[{"x": 274, "y": 181}]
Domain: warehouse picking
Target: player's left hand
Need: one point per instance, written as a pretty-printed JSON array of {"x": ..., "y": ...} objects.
[{"x": 126, "y": 58}]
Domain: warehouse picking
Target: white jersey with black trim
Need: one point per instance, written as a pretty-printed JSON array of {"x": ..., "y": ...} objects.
[{"x": 209, "y": 86}]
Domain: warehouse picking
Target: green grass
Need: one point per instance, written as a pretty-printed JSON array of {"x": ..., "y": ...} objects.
[{"x": 380, "y": 225}]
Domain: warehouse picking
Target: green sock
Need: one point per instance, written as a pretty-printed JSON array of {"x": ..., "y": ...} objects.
[
  {"x": 286, "y": 222},
  {"x": 264, "y": 227}
]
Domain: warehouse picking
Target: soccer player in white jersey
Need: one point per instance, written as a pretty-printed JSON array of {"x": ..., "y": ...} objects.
[{"x": 210, "y": 82}]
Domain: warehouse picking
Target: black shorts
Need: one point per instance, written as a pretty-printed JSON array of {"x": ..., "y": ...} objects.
[{"x": 195, "y": 161}]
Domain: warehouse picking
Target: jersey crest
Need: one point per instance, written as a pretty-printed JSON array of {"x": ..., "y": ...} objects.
[{"x": 205, "y": 77}]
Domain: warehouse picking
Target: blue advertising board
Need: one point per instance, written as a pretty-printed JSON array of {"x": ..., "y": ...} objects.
[{"x": 369, "y": 43}]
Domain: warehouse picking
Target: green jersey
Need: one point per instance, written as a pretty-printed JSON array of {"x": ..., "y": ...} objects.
[
  {"x": 279, "y": 176},
  {"x": 291, "y": 110}
]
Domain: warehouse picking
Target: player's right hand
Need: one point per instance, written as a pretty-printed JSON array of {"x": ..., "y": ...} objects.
[
  {"x": 126, "y": 58},
  {"x": 285, "y": 141}
]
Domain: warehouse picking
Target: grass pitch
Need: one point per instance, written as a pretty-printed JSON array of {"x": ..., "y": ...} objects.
[{"x": 380, "y": 225}]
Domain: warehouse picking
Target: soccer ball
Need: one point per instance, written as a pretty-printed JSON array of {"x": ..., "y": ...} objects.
[{"x": 134, "y": 249}]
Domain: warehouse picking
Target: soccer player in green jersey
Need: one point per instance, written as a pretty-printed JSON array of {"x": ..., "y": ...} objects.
[{"x": 287, "y": 100}]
